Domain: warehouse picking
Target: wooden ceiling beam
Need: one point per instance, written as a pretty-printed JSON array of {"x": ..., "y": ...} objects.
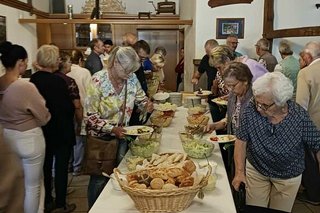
[{"x": 218, "y": 3}]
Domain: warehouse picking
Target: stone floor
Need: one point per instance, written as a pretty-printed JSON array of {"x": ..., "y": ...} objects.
[{"x": 79, "y": 185}]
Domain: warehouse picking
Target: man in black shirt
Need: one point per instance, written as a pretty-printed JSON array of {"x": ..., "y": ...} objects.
[
  {"x": 205, "y": 66},
  {"x": 93, "y": 62}
]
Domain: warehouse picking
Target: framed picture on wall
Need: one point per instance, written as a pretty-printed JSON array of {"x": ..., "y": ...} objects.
[
  {"x": 3, "y": 30},
  {"x": 227, "y": 26}
]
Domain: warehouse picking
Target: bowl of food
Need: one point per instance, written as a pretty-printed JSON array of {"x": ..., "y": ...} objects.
[
  {"x": 198, "y": 119},
  {"x": 144, "y": 149},
  {"x": 198, "y": 148},
  {"x": 161, "y": 97},
  {"x": 197, "y": 110}
]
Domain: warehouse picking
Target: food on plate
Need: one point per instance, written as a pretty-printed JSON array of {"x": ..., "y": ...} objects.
[
  {"x": 198, "y": 148},
  {"x": 198, "y": 119},
  {"x": 202, "y": 92},
  {"x": 220, "y": 101},
  {"x": 138, "y": 130},
  {"x": 222, "y": 138}
]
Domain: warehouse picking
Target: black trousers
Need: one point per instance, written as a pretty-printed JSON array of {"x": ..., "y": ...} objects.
[
  {"x": 61, "y": 155},
  {"x": 311, "y": 176}
]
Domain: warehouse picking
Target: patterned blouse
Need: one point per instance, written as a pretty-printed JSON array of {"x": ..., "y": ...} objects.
[
  {"x": 104, "y": 106},
  {"x": 222, "y": 89},
  {"x": 277, "y": 151}
]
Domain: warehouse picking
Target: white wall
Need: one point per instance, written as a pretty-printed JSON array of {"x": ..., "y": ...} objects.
[
  {"x": 132, "y": 6},
  {"x": 24, "y": 35},
  {"x": 301, "y": 14}
]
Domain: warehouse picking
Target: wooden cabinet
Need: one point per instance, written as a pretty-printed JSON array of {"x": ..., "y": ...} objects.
[
  {"x": 62, "y": 35},
  {"x": 84, "y": 33}
]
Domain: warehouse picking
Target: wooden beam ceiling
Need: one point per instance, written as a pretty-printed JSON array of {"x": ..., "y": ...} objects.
[{"x": 217, "y": 3}]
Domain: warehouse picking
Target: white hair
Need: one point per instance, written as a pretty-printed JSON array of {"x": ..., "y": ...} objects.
[
  {"x": 313, "y": 48},
  {"x": 275, "y": 84}
]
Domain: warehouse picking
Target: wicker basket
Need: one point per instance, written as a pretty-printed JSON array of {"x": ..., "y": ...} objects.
[{"x": 172, "y": 200}]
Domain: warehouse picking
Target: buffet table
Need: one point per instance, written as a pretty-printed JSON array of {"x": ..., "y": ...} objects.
[{"x": 219, "y": 201}]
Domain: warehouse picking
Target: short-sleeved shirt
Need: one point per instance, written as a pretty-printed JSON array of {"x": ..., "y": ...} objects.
[
  {"x": 72, "y": 85},
  {"x": 211, "y": 71},
  {"x": 277, "y": 151}
]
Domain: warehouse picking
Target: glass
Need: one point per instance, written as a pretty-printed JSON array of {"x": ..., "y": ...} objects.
[
  {"x": 232, "y": 86},
  {"x": 263, "y": 107}
]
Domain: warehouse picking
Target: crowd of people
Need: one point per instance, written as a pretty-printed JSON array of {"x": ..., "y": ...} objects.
[{"x": 272, "y": 109}]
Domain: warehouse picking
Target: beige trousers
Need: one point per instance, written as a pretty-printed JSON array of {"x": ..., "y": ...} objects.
[{"x": 270, "y": 192}]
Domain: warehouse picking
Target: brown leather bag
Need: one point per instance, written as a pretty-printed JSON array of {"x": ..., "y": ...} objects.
[{"x": 100, "y": 156}]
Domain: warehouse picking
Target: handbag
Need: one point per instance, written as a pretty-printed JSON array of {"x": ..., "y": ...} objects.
[
  {"x": 100, "y": 153},
  {"x": 100, "y": 156}
]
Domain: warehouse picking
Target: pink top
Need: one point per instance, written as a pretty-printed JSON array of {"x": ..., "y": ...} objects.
[{"x": 22, "y": 107}]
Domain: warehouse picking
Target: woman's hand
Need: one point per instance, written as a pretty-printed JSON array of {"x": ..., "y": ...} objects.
[
  {"x": 214, "y": 88},
  {"x": 210, "y": 128},
  {"x": 149, "y": 106},
  {"x": 118, "y": 131},
  {"x": 237, "y": 180}
]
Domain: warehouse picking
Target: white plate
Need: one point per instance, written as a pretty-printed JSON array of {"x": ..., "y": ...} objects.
[
  {"x": 221, "y": 138},
  {"x": 204, "y": 93},
  {"x": 133, "y": 130},
  {"x": 220, "y": 101}
]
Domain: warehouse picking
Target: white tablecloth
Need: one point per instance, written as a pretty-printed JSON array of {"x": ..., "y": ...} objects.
[{"x": 218, "y": 201}]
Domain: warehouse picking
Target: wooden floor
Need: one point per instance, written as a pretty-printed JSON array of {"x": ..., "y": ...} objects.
[{"x": 79, "y": 184}]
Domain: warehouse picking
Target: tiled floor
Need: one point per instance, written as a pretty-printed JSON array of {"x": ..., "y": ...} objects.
[{"x": 79, "y": 196}]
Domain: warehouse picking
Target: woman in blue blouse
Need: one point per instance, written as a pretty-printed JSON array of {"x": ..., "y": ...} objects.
[{"x": 269, "y": 150}]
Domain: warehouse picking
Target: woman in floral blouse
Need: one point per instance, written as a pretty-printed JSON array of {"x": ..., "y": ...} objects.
[{"x": 105, "y": 103}]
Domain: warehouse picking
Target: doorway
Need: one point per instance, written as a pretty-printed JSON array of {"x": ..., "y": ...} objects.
[{"x": 169, "y": 39}]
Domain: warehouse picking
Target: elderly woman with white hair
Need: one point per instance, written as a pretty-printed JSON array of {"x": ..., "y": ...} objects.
[
  {"x": 113, "y": 90},
  {"x": 269, "y": 150}
]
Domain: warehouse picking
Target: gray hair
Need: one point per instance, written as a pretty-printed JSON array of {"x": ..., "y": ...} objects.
[
  {"x": 313, "y": 48},
  {"x": 263, "y": 44},
  {"x": 126, "y": 56},
  {"x": 276, "y": 84},
  {"x": 285, "y": 48}
]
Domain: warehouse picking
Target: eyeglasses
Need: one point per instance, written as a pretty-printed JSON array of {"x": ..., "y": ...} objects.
[
  {"x": 263, "y": 107},
  {"x": 232, "y": 86}
]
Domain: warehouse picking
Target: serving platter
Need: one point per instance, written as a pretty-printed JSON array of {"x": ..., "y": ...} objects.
[
  {"x": 138, "y": 130},
  {"x": 221, "y": 138},
  {"x": 203, "y": 93},
  {"x": 220, "y": 101}
]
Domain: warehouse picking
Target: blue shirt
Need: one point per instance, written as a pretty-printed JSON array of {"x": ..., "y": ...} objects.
[{"x": 277, "y": 151}]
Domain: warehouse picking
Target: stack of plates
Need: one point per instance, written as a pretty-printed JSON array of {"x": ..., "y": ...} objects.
[
  {"x": 175, "y": 98},
  {"x": 191, "y": 101}
]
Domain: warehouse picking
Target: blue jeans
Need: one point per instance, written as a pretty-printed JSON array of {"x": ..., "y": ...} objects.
[
  {"x": 95, "y": 187},
  {"x": 78, "y": 152},
  {"x": 122, "y": 150}
]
